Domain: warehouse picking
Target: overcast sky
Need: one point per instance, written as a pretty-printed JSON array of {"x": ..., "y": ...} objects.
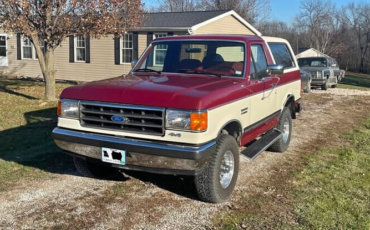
[{"x": 284, "y": 10}]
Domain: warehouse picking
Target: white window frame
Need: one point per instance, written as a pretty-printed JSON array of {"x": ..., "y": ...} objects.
[
  {"x": 131, "y": 41},
  {"x": 155, "y": 36},
  {"x": 76, "y": 47},
  {"x": 33, "y": 49},
  {"x": 33, "y": 56},
  {"x": 6, "y": 58}
]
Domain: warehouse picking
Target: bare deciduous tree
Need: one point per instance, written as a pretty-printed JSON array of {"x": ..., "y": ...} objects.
[
  {"x": 175, "y": 6},
  {"x": 51, "y": 21},
  {"x": 320, "y": 20},
  {"x": 357, "y": 17},
  {"x": 254, "y": 11}
]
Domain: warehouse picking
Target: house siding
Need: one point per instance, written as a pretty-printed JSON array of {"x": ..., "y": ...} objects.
[
  {"x": 226, "y": 25},
  {"x": 101, "y": 66},
  {"x": 102, "y": 63}
]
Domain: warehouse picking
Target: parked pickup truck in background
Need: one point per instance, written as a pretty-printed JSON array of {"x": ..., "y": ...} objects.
[
  {"x": 186, "y": 107},
  {"x": 325, "y": 71}
]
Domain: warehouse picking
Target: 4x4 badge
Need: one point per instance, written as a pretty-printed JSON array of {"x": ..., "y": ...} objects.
[{"x": 175, "y": 134}]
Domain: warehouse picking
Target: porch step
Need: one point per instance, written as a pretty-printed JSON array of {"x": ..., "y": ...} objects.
[{"x": 257, "y": 147}]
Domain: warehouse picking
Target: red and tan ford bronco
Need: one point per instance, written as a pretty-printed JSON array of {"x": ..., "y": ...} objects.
[{"x": 186, "y": 108}]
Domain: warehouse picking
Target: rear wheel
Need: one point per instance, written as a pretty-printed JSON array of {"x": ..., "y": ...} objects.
[
  {"x": 89, "y": 169},
  {"x": 285, "y": 126},
  {"x": 216, "y": 180}
]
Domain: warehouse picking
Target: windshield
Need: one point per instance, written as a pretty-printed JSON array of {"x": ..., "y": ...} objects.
[
  {"x": 218, "y": 58},
  {"x": 312, "y": 62}
]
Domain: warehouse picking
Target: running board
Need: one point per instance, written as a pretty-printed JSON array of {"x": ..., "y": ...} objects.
[{"x": 257, "y": 147}]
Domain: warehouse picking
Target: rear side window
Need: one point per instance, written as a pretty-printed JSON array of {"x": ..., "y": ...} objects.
[{"x": 282, "y": 54}]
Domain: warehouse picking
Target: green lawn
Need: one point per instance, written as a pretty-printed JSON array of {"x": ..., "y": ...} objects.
[
  {"x": 26, "y": 121},
  {"x": 355, "y": 81},
  {"x": 331, "y": 191}
]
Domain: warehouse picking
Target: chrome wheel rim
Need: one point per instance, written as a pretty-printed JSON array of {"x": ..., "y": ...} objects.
[
  {"x": 286, "y": 130},
  {"x": 227, "y": 169}
]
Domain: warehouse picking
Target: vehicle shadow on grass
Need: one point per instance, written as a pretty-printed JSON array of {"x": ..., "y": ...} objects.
[{"x": 31, "y": 146}]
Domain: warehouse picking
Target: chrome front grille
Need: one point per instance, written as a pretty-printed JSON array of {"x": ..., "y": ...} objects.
[
  {"x": 136, "y": 119},
  {"x": 314, "y": 74}
]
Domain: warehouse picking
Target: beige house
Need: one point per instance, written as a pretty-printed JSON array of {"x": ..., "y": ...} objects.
[
  {"x": 311, "y": 53},
  {"x": 82, "y": 59}
]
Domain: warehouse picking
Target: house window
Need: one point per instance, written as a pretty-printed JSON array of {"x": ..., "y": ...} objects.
[
  {"x": 127, "y": 48},
  {"x": 27, "y": 48},
  {"x": 159, "y": 50},
  {"x": 80, "y": 49}
]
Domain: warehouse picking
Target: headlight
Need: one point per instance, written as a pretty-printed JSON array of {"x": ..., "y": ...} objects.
[
  {"x": 186, "y": 120},
  {"x": 68, "y": 108}
]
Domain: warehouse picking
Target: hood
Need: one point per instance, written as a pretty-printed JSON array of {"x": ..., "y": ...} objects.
[{"x": 181, "y": 91}]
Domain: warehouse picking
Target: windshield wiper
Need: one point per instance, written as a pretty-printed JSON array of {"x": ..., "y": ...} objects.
[
  {"x": 147, "y": 70},
  {"x": 201, "y": 72}
]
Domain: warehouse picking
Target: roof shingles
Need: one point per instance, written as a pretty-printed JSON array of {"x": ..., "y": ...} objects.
[{"x": 179, "y": 19}]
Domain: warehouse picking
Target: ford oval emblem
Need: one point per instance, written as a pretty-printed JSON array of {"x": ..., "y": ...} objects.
[{"x": 118, "y": 119}]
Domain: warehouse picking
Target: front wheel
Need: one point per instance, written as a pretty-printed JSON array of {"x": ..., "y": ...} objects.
[
  {"x": 216, "y": 181},
  {"x": 285, "y": 126}
]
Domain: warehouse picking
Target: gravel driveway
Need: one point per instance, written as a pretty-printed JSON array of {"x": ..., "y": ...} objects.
[{"x": 147, "y": 201}]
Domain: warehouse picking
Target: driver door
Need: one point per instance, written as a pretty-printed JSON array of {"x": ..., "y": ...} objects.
[{"x": 263, "y": 103}]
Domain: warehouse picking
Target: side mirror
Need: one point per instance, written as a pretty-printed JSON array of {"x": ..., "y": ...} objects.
[
  {"x": 133, "y": 63},
  {"x": 275, "y": 69}
]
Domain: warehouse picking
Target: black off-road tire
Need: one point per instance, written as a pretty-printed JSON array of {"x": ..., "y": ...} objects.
[
  {"x": 207, "y": 181},
  {"x": 93, "y": 170},
  {"x": 324, "y": 86},
  {"x": 281, "y": 146}
]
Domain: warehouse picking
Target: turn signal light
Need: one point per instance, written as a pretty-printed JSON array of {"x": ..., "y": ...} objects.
[
  {"x": 59, "y": 111},
  {"x": 198, "y": 121}
]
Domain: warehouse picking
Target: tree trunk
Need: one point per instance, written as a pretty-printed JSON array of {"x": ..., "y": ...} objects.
[
  {"x": 46, "y": 61},
  {"x": 49, "y": 75}
]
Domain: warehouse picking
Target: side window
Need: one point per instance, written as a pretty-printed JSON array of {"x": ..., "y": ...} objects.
[
  {"x": 259, "y": 58},
  {"x": 282, "y": 54},
  {"x": 252, "y": 70}
]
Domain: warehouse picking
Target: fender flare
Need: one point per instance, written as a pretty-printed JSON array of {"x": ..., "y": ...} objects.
[
  {"x": 240, "y": 128},
  {"x": 289, "y": 97}
]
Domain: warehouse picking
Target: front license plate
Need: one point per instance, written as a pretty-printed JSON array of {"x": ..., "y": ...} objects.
[{"x": 113, "y": 156}]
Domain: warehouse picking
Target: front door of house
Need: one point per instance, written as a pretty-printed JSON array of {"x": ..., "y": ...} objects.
[{"x": 3, "y": 51}]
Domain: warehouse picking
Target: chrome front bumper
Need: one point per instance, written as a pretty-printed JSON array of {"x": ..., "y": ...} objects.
[
  {"x": 147, "y": 156},
  {"x": 318, "y": 81}
]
